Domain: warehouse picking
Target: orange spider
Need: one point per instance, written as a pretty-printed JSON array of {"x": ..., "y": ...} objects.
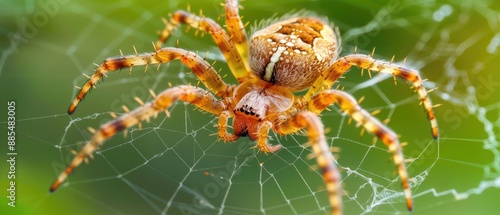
[{"x": 293, "y": 54}]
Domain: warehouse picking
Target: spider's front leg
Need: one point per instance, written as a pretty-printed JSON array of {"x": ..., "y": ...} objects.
[
  {"x": 322, "y": 153},
  {"x": 349, "y": 105},
  {"x": 203, "y": 70},
  {"x": 194, "y": 95},
  {"x": 343, "y": 64},
  {"x": 236, "y": 28},
  {"x": 234, "y": 47}
]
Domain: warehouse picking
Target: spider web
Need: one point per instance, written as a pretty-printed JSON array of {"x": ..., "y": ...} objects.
[{"x": 177, "y": 165}]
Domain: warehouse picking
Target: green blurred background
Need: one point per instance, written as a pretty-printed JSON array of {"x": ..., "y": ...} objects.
[{"x": 47, "y": 44}]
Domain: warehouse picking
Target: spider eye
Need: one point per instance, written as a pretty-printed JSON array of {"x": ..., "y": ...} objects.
[{"x": 293, "y": 53}]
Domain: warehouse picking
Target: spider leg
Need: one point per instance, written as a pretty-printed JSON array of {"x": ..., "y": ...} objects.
[
  {"x": 342, "y": 65},
  {"x": 198, "y": 65},
  {"x": 237, "y": 65},
  {"x": 194, "y": 95},
  {"x": 222, "y": 125},
  {"x": 350, "y": 106},
  {"x": 322, "y": 153},
  {"x": 236, "y": 29}
]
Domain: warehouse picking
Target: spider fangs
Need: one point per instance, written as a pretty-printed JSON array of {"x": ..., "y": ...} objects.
[{"x": 288, "y": 56}]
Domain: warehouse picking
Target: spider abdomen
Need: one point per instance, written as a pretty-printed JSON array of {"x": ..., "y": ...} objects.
[{"x": 293, "y": 53}]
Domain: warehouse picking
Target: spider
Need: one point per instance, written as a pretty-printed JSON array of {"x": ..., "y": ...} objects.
[{"x": 293, "y": 54}]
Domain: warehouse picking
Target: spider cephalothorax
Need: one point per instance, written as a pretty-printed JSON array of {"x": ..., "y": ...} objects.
[
  {"x": 257, "y": 102},
  {"x": 294, "y": 54}
]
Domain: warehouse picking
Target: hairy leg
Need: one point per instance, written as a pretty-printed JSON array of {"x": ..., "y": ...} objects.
[
  {"x": 343, "y": 64},
  {"x": 321, "y": 151},
  {"x": 349, "y": 105},
  {"x": 194, "y": 95},
  {"x": 236, "y": 29},
  {"x": 205, "y": 72},
  {"x": 225, "y": 43}
]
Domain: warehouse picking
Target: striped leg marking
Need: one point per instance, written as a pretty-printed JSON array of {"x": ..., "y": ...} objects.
[
  {"x": 196, "y": 96},
  {"x": 350, "y": 106}
]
